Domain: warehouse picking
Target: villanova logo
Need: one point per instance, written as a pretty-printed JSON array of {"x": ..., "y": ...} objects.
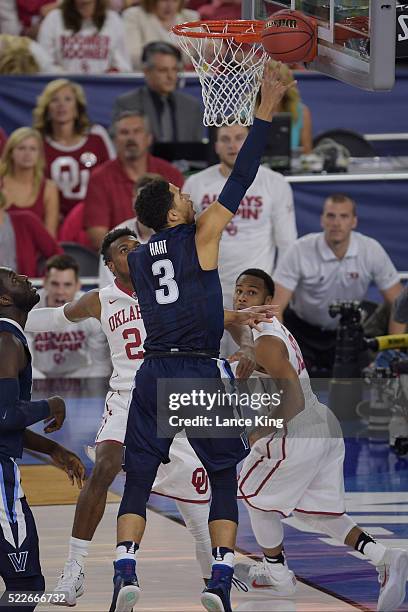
[{"x": 19, "y": 560}]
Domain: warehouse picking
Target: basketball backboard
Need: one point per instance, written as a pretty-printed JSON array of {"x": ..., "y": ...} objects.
[{"x": 356, "y": 37}]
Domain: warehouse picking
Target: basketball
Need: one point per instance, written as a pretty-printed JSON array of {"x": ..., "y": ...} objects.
[{"x": 290, "y": 36}]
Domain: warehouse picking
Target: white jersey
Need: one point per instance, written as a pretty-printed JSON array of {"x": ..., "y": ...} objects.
[
  {"x": 315, "y": 415},
  {"x": 264, "y": 222},
  {"x": 123, "y": 326},
  {"x": 276, "y": 328},
  {"x": 88, "y": 51},
  {"x": 78, "y": 350},
  {"x": 300, "y": 467}
]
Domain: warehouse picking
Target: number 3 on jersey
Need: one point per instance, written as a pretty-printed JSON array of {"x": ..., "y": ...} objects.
[{"x": 165, "y": 270}]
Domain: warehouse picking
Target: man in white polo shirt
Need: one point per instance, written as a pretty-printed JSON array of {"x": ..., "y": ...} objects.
[
  {"x": 321, "y": 268},
  {"x": 265, "y": 221}
]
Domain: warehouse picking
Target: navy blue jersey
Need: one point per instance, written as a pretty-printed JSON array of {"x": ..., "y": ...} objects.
[
  {"x": 11, "y": 443},
  {"x": 181, "y": 304}
]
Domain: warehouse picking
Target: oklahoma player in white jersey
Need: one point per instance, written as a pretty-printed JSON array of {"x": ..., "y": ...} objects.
[
  {"x": 299, "y": 469},
  {"x": 184, "y": 478}
]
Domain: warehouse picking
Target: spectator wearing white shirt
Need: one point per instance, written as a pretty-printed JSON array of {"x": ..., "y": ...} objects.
[
  {"x": 265, "y": 221},
  {"x": 83, "y": 37},
  {"x": 80, "y": 350},
  {"x": 337, "y": 264},
  {"x": 152, "y": 21}
]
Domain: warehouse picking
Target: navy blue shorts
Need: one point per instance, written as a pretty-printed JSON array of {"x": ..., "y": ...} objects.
[
  {"x": 19, "y": 554},
  {"x": 141, "y": 438}
]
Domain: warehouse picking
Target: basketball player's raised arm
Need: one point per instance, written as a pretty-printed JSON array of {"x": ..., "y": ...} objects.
[
  {"x": 86, "y": 307},
  {"x": 216, "y": 217},
  {"x": 271, "y": 353}
]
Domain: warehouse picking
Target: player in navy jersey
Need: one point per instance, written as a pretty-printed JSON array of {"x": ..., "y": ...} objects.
[
  {"x": 176, "y": 279},
  {"x": 19, "y": 558}
]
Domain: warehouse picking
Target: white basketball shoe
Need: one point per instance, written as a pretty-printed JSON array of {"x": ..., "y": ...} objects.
[
  {"x": 70, "y": 583},
  {"x": 392, "y": 576},
  {"x": 277, "y": 578}
]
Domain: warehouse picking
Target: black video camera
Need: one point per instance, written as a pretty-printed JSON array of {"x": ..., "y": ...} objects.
[
  {"x": 349, "y": 340},
  {"x": 350, "y": 312}
]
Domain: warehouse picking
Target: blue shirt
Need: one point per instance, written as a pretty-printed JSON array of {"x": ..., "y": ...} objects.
[{"x": 181, "y": 304}]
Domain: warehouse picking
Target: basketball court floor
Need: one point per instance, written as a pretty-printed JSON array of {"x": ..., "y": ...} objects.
[{"x": 331, "y": 578}]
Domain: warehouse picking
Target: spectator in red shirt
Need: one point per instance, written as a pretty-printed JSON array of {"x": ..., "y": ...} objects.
[
  {"x": 23, "y": 180},
  {"x": 110, "y": 196},
  {"x": 23, "y": 241},
  {"x": 73, "y": 147}
]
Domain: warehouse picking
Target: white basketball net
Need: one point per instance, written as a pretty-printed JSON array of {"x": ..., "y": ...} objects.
[{"x": 230, "y": 74}]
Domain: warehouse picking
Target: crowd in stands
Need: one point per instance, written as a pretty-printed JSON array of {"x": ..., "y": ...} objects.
[{"x": 94, "y": 36}]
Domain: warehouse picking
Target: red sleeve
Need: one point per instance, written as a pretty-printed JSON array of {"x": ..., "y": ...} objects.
[{"x": 96, "y": 204}]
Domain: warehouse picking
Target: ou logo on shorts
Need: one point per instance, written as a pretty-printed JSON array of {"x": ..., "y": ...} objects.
[{"x": 199, "y": 480}]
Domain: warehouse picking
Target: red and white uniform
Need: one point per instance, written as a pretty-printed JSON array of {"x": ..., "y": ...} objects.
[
  {"x": 79, "y": 350},
  {"x": 89, "y": 51},
  {"x": 184, "y": 478},
  {"x": 301, "y": 466},
  {"x": 71, "y": 166}
]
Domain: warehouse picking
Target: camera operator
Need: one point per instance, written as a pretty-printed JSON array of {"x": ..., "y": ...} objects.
[{"x": 337, "y": 264}]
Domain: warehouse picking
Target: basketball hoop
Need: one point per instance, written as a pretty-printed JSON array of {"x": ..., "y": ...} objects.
[{"x": 229, "y": 59}]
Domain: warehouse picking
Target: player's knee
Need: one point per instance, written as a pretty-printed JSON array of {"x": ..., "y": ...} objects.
[
  {"x": 136, "y": 493},
  {"x": 104, "y": 472},
  {"x": 224, "y": 480},
  {"x": 224, "y": 495}
]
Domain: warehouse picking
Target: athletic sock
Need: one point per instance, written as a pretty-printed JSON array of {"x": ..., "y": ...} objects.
[
  {"x": 126, "y": 550},
  {"x": 276, "y": 559},
  {"x": 223, "y": 556},
  {"x": 78, "y": 550},
  {"x": 367, "y": 546}
]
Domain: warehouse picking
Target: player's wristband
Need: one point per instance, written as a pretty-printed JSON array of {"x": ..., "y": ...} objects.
[
  {"x": 246, "y": 165},
  {"x": 46, "y": 319}
]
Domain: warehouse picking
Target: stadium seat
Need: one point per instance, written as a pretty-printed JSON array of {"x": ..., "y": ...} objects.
[
  {"x": 88, "y": 260},
  {"x": 357, "y": 145}
]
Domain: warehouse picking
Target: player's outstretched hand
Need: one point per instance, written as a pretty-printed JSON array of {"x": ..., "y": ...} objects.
[
  {"x": 273, "y": 88},
  {"x": 57, "y": 414},
  {"x": 246, "y": 361},
  {"x": 70, "y": 463},
  {"x": 255, "y": 315}
]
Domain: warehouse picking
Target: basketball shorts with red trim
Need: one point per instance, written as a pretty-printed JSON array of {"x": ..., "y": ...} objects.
[
  {"x": 290, "y": 472},
  {"x": 183, "y": 479}
]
